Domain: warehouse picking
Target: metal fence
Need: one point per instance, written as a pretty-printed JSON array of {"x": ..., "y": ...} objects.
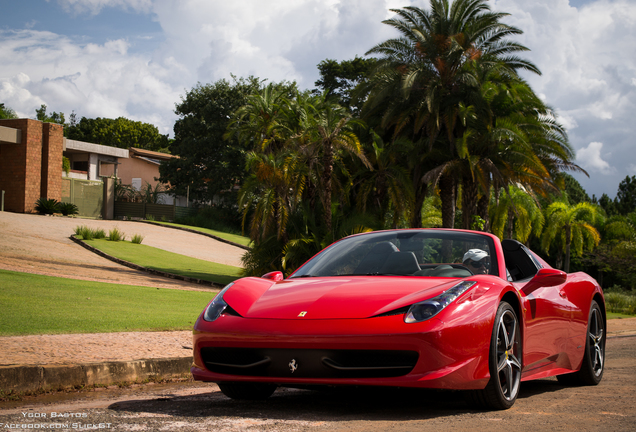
[
  {"x": 158, "y": 212},
  {"x": 87, "y": 195}
]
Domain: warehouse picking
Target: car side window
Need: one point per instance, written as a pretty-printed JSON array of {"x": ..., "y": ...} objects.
[{"x": 519, "y": 264}]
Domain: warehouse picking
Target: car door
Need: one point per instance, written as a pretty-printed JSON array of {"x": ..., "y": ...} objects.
[{"x": 546, "y": 310}]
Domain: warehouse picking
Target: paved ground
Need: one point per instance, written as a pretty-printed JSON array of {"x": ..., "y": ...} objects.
[{"x": 543, "y": 405}]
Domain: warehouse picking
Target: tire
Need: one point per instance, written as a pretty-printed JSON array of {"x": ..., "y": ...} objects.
[
  {"x": 247, "y": 391},
  {"x": 591, "y": 372},
  {"x": 505, "y": 362}
]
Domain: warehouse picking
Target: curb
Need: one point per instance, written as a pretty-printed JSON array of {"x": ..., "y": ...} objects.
[
  {"x": 54, "y": 377},
  {"x": 145, "y": 269},
  {"x": 197, "y": 232}
]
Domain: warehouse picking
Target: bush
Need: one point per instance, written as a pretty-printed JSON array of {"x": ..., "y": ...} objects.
[
  {"x": 137, "y": 239},
  {"x": 225, "y": 219},
  {"x": 620, "y": 301},
  {"x": 68, "y": 209},
  {"x": 47, "y": 206},
  {"x": 85, "y": 232},
  {"x": 116, "y": 235},
  {"x": 99, "y": 234}
]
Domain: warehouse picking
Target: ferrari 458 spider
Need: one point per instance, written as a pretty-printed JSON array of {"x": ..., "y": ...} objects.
[{"x": 429, "y": 308}]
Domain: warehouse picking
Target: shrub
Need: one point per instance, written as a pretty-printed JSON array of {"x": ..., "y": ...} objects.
[
  {"x": 47, "y": 206},
  {"x": 99, "y": 234},
  {"x": 116, "y": 235},
  {"x": 85, "y": 232},
  {"x": 68, "y": 209},
  {"x": 150, "y": 217},
  {"x": 137, "y": 238},
  {"x": 66, "y": 165},
  {"x": 620, "y": 301}
]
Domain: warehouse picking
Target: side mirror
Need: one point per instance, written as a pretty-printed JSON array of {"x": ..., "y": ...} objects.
[
  {"x": 274, "y": 276},
  {"x": 545, "y": 277}
]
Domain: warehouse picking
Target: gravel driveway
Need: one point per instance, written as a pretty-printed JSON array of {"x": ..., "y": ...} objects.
[{"x": 41, "y": 245}]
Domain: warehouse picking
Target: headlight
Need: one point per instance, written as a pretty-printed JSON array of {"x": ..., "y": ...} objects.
[
  {"x": 429, "y": 308},
  {"x": 216, "y": 306}
]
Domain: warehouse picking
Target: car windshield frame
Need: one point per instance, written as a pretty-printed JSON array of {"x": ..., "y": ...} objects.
[{"x": 410, "y": 252}]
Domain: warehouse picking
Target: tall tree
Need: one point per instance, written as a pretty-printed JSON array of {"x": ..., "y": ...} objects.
[
  {"x": 339, "y": 80},
  {"x": 571, "y": 225},
  {"x": 424, "y": 75},
  {"x": 120, "y": 132},
  {"x": 207, "y": 164},
  {"x": 331, "y": 130},
  {"x": 7, "y": 112},
  {"x": 387, "y": 188},
  {"x": 626, "y": 195},
  {"x": 54, "y": 117},
  {"x": 516, "y": 212}
]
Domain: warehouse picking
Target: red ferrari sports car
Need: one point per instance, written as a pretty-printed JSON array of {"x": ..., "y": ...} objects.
[{"x": 429, "y": 308}]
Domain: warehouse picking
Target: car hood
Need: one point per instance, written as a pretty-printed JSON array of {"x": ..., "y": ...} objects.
[{"x": 330, "y": 297}]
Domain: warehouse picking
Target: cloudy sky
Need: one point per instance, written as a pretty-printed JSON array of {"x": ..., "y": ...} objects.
[{"x": 136, "y": 58}]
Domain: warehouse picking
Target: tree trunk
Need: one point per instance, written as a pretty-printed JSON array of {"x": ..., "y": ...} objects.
[
  {"x": 511, "y": 221},
  {"x": 327, "y": 172},
  {"x": 568, "y": 240},
  {"x": 469, "y": 203},
  {"x": 447, "y": 195},
  {"x": 482, "y": 210},
  {"x": 416, "y": 212}
]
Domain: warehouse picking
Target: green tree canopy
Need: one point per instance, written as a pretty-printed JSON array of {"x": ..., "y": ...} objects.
[
  {"x": 426, "y": 80},
  {"x": 339, "y": 80},
  {"x": 54, "y": 117},
  {"x": 208, "y": 164},
  {"x": 571, "y": 225},
  {"x": 626, "y": 196},
  {"x": 120, "y": 132},
  {"x": 7, "y": 112}
]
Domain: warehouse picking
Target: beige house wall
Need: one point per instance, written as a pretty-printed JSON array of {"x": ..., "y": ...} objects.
[{"x": 133, "y": 168}]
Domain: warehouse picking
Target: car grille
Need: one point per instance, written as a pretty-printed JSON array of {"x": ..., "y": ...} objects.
[{"x": 309, "y": 363}]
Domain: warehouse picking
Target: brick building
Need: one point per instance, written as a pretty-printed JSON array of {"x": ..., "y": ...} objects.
[{"x": 30, "y": 163}]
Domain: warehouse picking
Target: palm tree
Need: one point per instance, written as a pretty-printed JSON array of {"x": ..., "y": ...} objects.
[
  {"x": 387, "y": 186},
  {"x": 271, "y": 193},
  {"x": 572, "y": 225},
  {"x": 517, "y": 210},
  {"x": 424, "y": 75},
  {"x": 329, "y": 130}
]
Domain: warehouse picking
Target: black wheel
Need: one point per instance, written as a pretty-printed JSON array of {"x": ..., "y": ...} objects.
[
  {"x": 591, "y": 371},
  {"x": 505, "y": 362},
  {"x": 247, "y": 391}
]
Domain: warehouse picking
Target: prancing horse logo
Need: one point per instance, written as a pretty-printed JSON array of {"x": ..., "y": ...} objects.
[{"x": 293, "y": 365}]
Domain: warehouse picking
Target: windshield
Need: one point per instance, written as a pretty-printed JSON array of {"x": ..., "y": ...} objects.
[{"x": 433, "y": 253}]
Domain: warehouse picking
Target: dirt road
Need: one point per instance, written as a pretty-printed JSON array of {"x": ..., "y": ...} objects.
[
  {"x": 41, "y": 244},
  {"x": 542, "y": 405}
]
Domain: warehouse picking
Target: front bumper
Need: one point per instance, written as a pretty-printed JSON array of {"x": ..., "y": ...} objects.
[{"x": 309, "y": 352}]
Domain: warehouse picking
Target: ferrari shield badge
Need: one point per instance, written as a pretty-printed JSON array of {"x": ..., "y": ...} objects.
[
  {"x": 302, "y": 314},
  {"x": 293, "y": 365}
]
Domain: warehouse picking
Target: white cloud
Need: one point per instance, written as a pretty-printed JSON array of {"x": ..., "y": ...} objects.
[
  {"x": 586, "y": 54},
  {"x": 93, "y": 7},
  {"x": 93, "y": 80},
  {"x": 590, "y": 158}
]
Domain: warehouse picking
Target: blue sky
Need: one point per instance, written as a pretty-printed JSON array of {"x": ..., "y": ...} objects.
[{"x": 136, "y": 58}]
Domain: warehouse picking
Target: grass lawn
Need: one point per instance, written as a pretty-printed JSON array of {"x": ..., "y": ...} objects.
[
  {"x": 170, "y": 262},
  {"x": 245, "y": 241},
  {"x": 615, "y": 315},
  {"x": 35, "y": 304}
]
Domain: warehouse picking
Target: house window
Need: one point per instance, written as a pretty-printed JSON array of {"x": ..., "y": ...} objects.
[
  {"x": 136, "y": 183},
  {"x": 80, "y": 166}
]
